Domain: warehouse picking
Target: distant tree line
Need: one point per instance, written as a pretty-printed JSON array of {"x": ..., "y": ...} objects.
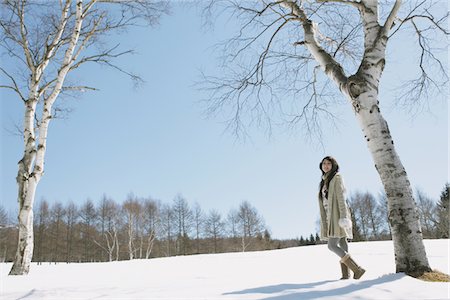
[
  {"x": 137, "y": 228},
  {"x": 141, "y": 228}
]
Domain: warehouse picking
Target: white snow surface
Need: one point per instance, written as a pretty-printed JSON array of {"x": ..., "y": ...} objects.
[{"x": 309, "y": 272}]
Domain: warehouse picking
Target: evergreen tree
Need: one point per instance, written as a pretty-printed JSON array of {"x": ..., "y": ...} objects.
[
  {"x": 301, "y": 241},
  {"x": 443, "y": 211},
  {"x": 312, "y": 240}
]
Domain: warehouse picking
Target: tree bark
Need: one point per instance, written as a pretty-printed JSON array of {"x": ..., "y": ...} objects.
[
  {"x": 410, "y": 255},
  {"x": 27, "y": 180}
]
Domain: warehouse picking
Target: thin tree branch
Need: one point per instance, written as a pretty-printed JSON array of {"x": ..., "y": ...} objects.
[
  {"x": 356, "y": 4},
  {"x": 15, "y": 87}
]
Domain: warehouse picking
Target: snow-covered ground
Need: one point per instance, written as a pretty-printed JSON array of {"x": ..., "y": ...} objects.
[{"x": 299, "y": 273}]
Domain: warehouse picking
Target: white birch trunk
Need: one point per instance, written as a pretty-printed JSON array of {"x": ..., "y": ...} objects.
[
  {"x": 410, "y": 255},
  {"x": 130, "y": 237},
  {"x": 117, "y": 246},
  {"x": 110, "y": 246},
  {"x": 31, "y": 166},
  {"x": 362, "y": 91},
  {"x": 150, "y": 242}
]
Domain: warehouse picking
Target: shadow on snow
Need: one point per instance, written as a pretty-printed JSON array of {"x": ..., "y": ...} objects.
[{"x": 293, "y": 291}]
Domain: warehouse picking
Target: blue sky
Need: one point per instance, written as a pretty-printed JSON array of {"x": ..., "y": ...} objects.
[{"x": 155, "y": 141}]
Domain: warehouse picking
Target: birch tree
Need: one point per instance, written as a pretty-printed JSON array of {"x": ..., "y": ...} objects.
[
  {"x": 109, "y": 215},
  {"x": 289, "y": 60},
  {"x": 250, "y": 224},
  {"x": 45, "y": 42},
  {"x": 151, "y": 223},
  {"x": 132, "y": 210}
]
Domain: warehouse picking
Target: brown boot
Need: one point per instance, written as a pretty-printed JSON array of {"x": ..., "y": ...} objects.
[
  {"x": 345, "y": 272},
  {"x": 349, "y": 262}
]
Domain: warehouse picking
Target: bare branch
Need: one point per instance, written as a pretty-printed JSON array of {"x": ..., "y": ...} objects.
[
  {"x": 331, "y": 67},
  {"x": 23, "y": 35},
  {"x": 390, "y": 19},
  {"x": 87, "y": 37},
  {"x": 14, "y": 87},
  {"x": 17, "y": 130},
  {"x": 432, "y": 74},
  {"x": 52, "y": 47},
  {"x": 356, "y": 4},
  {"x": 417, "y": 89},
  {"x": 256, "y": 88},
  {"x": 428, "y": 16},
  {"x": 80, "y": 88},
  {"x": 344, "y": 40}
]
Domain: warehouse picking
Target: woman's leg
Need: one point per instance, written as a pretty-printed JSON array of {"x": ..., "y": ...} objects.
[
  {"x": 343, "y": 244},
  {"x": 333, "y": 246}
]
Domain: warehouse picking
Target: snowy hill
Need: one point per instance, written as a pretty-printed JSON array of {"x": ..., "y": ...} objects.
[{"x": 310, "y": 272}]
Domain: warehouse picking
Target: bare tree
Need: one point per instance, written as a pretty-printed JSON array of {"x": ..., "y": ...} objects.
[
  {"x": 4, "y": 220},
  {"x": 132, "y": 209},
  {"x": 286, "y": 57},
  {"x": 151, "y": 223},
  {"x": 232, "y": 221},
  {"x": 232, "y": 227},
  {"x": 167, "y": 227},
  {"x": 4, "y": 225},
  {"x": 214, "y": 227},
  {"x": 88, "y": 218},
  {"x": 71, "y": 221},
  {"x": 250, "y": 224},
  {"x": 57, "y": 213},
  {"x": 384, "y": 212},
  {"x": 360, "y": 218},
  {"x": 367, "y": 213},
  {"x": 45, "y": 42},
  {"x": 199, "y": 219},
  {"x": 42, "y": 224},
  {"x": 427, "y": 212},
  {"x": 109, "y": 215},
  {"x": 184, "y": 221}
]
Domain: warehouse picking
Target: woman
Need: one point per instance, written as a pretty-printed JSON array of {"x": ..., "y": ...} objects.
[{"x": 335, "y": 219}]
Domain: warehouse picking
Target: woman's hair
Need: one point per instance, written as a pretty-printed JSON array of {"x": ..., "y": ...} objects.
[{"x": 333, "y": 171}]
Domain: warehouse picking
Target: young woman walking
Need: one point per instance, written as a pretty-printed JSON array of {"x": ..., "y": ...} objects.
[{"x": 335, "y": 219}]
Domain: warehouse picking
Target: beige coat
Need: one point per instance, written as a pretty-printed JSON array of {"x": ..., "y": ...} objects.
[{"x": 337, "y": 209}]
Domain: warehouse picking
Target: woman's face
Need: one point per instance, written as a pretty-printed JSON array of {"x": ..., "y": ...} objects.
[{"x": 326, "y": 165}]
